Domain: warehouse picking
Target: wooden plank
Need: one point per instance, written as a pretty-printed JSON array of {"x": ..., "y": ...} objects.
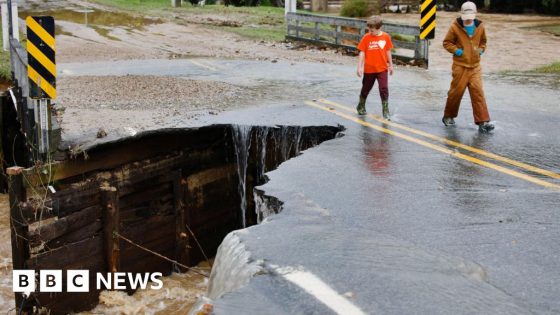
[
  {"x": 148, "y": 230},
  {"x": 146, "y": 194},
  {"x": 70, "y": 223},
  {"x": 18, "y": 227},
  {"x": 401, "y": 44},
  {"x": 350, "y": 48},
  {"x": 315, "y": 31},
  {"x": 152, "y": 263},
  {"x": 66, "y": 255},
  {"x": 83, "y": 233},
  {"x": 303, "y": 17},
  {"x": 111, "y": 220},
  {"x": 181, "y": 234},
  {"x": 401, "y": 29},
  {"x": 161, "y": 245},
  {"x": 132, "y": 149}
]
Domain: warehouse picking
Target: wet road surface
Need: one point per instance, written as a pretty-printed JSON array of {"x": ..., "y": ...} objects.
[{"x": 401, "y": 217}]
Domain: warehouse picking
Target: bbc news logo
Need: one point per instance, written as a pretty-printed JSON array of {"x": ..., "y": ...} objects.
[{"x": 24, "y": 281}]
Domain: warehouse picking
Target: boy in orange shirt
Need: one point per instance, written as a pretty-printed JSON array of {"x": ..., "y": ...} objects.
[{"x": 375, "y": 62}]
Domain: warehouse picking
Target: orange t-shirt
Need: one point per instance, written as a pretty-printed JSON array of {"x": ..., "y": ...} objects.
[{"x": 375, "y": 48}]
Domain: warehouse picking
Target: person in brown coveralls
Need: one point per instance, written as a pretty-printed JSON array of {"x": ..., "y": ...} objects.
[{"x": 466, "y": 40}]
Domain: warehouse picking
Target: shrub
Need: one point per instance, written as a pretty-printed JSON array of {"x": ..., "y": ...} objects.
[{"x": 355, "y": 8}]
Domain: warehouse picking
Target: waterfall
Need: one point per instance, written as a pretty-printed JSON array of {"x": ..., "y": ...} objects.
[
  {"x": 242, "y": 142},
  {"x": 262, "y": 135}
]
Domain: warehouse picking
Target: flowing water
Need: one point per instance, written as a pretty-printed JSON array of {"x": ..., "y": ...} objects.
[
  {"x": 180, "y": 291},
  {"x": 242, "y": 143},
  {"x": 6, "y": 295}
]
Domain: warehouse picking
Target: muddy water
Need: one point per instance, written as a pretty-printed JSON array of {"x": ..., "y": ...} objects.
[
  {"x": 6, "y": 295},
  {"x": 100, "y": 21},
  {"x": 179, "y": 292}
]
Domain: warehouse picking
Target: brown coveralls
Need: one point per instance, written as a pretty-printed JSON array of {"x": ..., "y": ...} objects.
[{"x": 466, "y": 70}]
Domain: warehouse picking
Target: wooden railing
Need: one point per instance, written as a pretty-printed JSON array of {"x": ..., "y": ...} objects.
[{"x": 347, "y": 32}]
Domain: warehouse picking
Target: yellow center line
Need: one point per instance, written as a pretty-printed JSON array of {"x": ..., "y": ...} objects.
[
  {"x": 203, "y": 65},
  {"x": 438, "y": 148},
  {"x": 453, "y": 143}
]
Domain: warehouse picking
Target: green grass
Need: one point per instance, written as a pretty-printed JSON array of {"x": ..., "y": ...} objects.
[
  {"x": 259, "y": 23},
  {"x": 551, "y": 68},
  {"x": 5, "y": 67},
  {"x": 136, "y": 4},
  {"x": 259, "y": 34},
  {"x": 402, "y": 37},
  {"x": 553, "y": 29}
]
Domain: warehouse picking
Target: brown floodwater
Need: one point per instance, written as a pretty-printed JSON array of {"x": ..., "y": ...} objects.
[
  {"x": 6, "y": 295},
  {"x": 100, "y": 21},
  {"x": 178, "y": 294}
]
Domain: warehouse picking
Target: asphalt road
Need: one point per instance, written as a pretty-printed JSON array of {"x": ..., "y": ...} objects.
[{"x": 400, "y": 217}]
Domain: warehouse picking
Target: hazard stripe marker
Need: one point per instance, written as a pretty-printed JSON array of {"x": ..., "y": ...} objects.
[
  {"x": 41, "y": 64},
  {"x": 428, "y": 19}
]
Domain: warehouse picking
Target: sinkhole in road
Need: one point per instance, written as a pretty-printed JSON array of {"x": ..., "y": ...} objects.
[{"x": 176, "y": 192}]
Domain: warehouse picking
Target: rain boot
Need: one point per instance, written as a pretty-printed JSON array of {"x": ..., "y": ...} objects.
[
  {"x": 385, "y": 105},
  {"x": 361, "y": 106}
]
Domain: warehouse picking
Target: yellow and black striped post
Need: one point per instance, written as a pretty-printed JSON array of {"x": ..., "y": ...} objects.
[
  {"x": 427, "y": 19},
  {"x": 41, "y": 65}
]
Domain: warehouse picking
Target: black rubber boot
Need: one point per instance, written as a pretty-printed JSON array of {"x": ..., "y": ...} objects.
[
  {"x": 485, "y": 127},
  {"x": 385, "y": 105},
  {"x": 361, "y": 106}
]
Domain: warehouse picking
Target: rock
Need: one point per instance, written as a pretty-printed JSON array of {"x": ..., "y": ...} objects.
[{"x": 101, "y": 133}]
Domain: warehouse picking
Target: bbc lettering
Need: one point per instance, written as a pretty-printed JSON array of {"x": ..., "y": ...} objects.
[{"x": 24, "y": 281}]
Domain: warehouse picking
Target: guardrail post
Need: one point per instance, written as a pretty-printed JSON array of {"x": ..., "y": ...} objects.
[
  {"x": 316, "y": 37},
  {"x": 18, "y": 227},
  {"x": 111, "y": 219},
  {"x": 181, "y": 237},
  {"x": 337, "y": 34}
]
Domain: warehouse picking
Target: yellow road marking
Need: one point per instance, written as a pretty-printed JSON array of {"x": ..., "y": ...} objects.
[
  {"x": 454, "y": 143},
  {"x": 37, "y": 54},
  {"x": 41, "y": 82},
  {"x": 41, "y": 32},
  {"x": 203, "y": 65},
  {"x": 439, "y": 148}
]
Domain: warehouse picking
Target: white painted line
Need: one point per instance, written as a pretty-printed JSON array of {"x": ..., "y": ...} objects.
[{"x": 323, "y": 292}]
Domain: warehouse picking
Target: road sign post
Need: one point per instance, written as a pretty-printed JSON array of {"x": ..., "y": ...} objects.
[{"x": 41, "y": 70}]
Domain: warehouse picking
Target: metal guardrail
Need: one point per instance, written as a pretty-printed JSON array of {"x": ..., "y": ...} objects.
[{"x": 347, "y": 32}]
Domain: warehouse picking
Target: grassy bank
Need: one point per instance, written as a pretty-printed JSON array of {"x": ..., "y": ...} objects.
[
  {"x": 5, "y": 68},
  {"x": 551, "y": 68},
  {"x": 553, "y": 29},
  {"x": 259, "y": 23}
]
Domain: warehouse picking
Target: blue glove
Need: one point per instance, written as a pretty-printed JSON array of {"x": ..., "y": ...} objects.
[{"x": 459, "y": 52}]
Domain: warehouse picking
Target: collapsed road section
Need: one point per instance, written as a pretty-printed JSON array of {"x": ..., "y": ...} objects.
[{"x": 174, "y": 192}]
